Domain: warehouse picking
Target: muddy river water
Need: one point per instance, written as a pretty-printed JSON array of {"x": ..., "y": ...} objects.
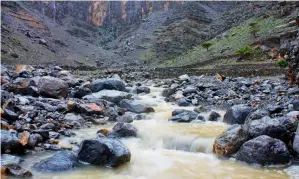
[{"x": 165, "y": 150}]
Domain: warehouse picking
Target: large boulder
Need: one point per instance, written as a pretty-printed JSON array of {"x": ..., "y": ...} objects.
[
  {"x": 237, "y": 114},
  {"x": 109, "y": 95},
  {"x": 22, "y": 86},
  {"x": 230, "y": 140},
  {"x": 258, "y": 114},
  {"x": 264, "y": 150},
  {"x": 7, "y": 159},
  {"x": 123, "y": 130},
  {"x": 278, "y": 128},
  {"x": 181, "y": 115},
  {"x": 52, "y": 87},
  {"x": 105, "y": 152},
  {"x": 10, "y": 141},
  {"x": 61, "y": 161},
  {"x": 109, "y": 84},
  {"x": 136, "y": 107}
]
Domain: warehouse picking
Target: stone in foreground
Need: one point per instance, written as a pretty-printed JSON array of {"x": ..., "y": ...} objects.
[
  {"x": 230, "y": 140},
  {"x": 105, "y": 152},
  {"x": 264, "y": 150},
  {"x": 61, "y": 161}
]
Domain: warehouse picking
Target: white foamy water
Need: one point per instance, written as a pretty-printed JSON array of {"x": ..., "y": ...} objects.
[{"x": 166, "y": 150}]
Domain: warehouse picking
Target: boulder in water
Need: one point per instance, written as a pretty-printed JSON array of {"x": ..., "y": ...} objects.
[
  {"x": 214, "y": 116},
  {"x": 105, "y": 152},
  {"x": 123, "y": 130},
  {"x": 264, "y": 150},
  {"x": 136, "y": 107},
  {"x": 61, "y": 161},
  {"x": 183, "y": 116},
  {"x": 237, "y": 114},
  {"x": 142, "y": 89},
  {"x": 127, "y": 118},
  {"x": 109, "y": 84},
  {"x": 10, "y": 141},
  {"x": 230, "y": 140}
]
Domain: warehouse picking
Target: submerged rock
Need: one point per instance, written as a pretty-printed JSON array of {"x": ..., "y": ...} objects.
[
  {"x": 123, "y": 130},
  {"x": 136, "y": 107},
  {"x": 230, "y": 140},
  {"x": 237, "y": 114},
  {"x": 109, "y": 84},
  {"x": 61, "y": 161},
  {"x": 264, "y": 150},
  {"x": 105, "y": 152}
]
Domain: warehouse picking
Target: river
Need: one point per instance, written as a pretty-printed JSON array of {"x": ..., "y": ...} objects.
[{"x": 165, "y": 150}]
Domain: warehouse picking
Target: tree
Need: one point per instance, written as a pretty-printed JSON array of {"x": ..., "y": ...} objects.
[
  {"x": 245, "y": 52},
  {"x": 206, "y": 45},
  {"x": 254, "y": 29}
]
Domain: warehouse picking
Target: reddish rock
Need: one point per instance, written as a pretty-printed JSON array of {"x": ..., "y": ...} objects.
[{"x": 24, "y": 138}]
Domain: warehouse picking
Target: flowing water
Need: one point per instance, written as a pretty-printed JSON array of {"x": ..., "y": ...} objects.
[{"x": 166, "y": 150}]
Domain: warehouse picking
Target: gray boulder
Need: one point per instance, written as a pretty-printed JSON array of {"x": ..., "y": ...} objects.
[
  {"x": 237, "y": 114},
  {"x": 109, "y": 84},
  {"x": 136, "y": 107},
  {"x": 10, "y": 141},
  {"x": 182, "y": 115},
  {"x": 109, "y": 95},
  {"x": 61, "y": 161},
  {"x": 264, "y": 150},
  {"x": 123, "y": 130},
  {"x": 126, "y": 118},
  {"x": 105, "y": 152}
]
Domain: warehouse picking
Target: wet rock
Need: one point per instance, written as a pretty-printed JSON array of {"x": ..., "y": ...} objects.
[
  {"x": 184, "y": 77},
  {"x": 22, "y": 86},
  {"x": 214, "y": 116},
  {"x": 45, "y": 106},
  {"x": 183, "y": 116},
  {"x": 54, "y": 135},
  {"x": 168, "y": 92},
  {"x": 296, "y": 141},
  {"x": 189, "y": 90},
  {"x": 237, "y": 114},
  {"x": 7, "y": 159},
  {"x": 47, "y": 126},
  {"x": 109, "y": 95},
  {"x": 230, "y": 140},
  {"x": 276, "y": 127},
  {"x": 183, "y": 102},
  {"x": 109, "y": 84},
  {"x": 106, "y": 152},
  {"x": 136, "y": 107},
  {"x": 42, "y": 132},
  {"x": 274, "y": 109},
  {"x": 126, "y": 118},
  {"x": 52, "y": 87},
  {"x": 34, "y": 139},
  {"x": 73, "y": 119},
  {"x": 52, "y": 147},
  {"x": 59, "y": 162},
  {"x": 296, "y": 105},
  {"x": 16, "y": 170},
  {"x": 258, "y": 114},
  {"x": 81, "y": 91},
  {"x": 10, "y": 141},
  {"x": 264, "y": 150},
  {"x": 122, "y": 129},
  {"x": 142, "y": 89}
]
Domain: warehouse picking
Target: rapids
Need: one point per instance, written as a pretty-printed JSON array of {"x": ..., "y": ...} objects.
[{"x": 165, "y": 150}]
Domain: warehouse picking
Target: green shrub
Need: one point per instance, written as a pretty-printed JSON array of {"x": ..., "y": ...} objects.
[
  {"x": 206, "y": 45},
  {"x": 282, "y": 63},
  {"x": 245, "y": 51}
]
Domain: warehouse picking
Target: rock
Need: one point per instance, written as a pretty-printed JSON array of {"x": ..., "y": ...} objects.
[
  {"x": 52, "y": 87},
  {"x": 105, "y": 152},
  {"x": 22, "y": 86},
  {"x": 10, "y": 115},
  {"x": 81, "y": 91},
  {"x": 42, "y": 42},
  {"x": 184, "y": 77},
  {"x": 230, "y": 140},
  {"x": 276, "y": 127},
  {"x": 54, "y": 135},
  {"x": 136, "y": 107},
  {"x": 189, "y": 90},
  {"x": 214, "y": 116},
  {"x": 109, "y": 95},
  {"x": 43, "y": 133},
  {"x": 90, "y": 108},
  {"x": 52, "y": 147},
  {"x": 126, "y": 118},
  {"x": 74, "y": 119},
  {"x": 264, "y": 150},
  {"x": 168, "y": 92},
  {"x": 183, "y": 116},
  {"x": 61, "y": 161},
  {"x": 296, "y": 141},
  {"x": 24, "y": 138},
  {"x": 274, "y": 109},
  {"x": 237, "y": 114},
  {"x": 10, "y": 141},
  {"x": 7, "y": 159},
  {"x": 21, "y": 68},
  {"x": 258, "y": 114},
  {"x": 109, "y": 84},
  {"x": 123, "y": 130},
  {"x": 183, "y": 102},
  {"x": 296, "y": 105},
  {"x": 142, "y": 89},
  {"x": 16, "y": 170},
  {"x": 34, "y": 139},
  {"x": 294, "y": 114}
]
